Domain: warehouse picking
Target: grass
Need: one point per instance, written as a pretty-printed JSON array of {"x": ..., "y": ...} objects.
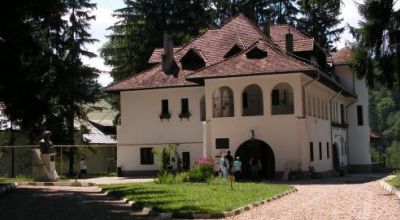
[
  {"x": 18, "y": 179},
  {"x": 22, "y": 179},
  {"x": 196, "y": 197},
  {"x": 395, "y": 181}
]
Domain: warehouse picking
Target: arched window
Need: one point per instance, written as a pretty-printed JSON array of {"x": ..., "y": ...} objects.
[
  {"x": 223, "y": 102},
  {"x": 282, "y": 99},
  {"x": 252, "y": 101}
]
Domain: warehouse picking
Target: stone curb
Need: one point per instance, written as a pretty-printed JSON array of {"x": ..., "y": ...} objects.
[
  {"x": 168, "y": 215},
  {"x": 79, "y": 184},
  {"x": 8, "y": 187},
  {"x": 389, "y": 187}
]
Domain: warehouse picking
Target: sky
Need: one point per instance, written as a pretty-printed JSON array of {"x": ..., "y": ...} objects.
[{"x": 104, "y": 19}]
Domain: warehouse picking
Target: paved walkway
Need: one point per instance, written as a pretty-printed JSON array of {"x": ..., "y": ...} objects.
[
  {"x": 357, "y": 197},
  {"x": 351, "y": 198},
  {"x": 115, "y": 180},
  {"x": 60, "y": 202}
]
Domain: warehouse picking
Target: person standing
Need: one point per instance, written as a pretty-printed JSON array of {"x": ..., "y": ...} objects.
[
  {"x": 83, "y": 166},
  {"x": 224, "y": 165},
  {"x": 237, "y": 168},
  {"x": 230, "y": 159},
  {"x": 255, "y": 165}
]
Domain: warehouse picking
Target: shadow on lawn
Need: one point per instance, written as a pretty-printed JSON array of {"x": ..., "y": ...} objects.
[{"x": 38, "y": 203}]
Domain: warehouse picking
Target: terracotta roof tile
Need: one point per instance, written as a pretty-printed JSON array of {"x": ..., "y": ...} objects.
[
  {"x": 275, "y": 62},
  {"x": 212, "y": 45},
  {"x": 342, "y": 56},
  {"x": 156, "y": 56}
]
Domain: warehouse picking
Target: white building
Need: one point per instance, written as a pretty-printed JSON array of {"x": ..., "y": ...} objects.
[{"x": 269, "y": 93}]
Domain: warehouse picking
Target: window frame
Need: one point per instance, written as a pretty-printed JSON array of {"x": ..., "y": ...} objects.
[
  {"x": 360, "y": 115},
  {"x": 144, "y": 152},
  {"x": 327, "y": 150},
  {"x": 164, "y": 106},
  {"x": 311, "y": 151}
]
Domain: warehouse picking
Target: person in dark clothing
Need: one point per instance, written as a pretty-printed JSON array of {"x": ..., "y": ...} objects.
[{"x": 230, "y": 159}]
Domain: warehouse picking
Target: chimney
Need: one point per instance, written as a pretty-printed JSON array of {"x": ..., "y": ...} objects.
[
  {"x": 289, "y": 42},
  {"x": 267, "y": 31},
  {"x": 167, "y": 58}
]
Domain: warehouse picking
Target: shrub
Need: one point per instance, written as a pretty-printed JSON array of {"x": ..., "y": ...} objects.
[
  {"x": 181, "y": 177},
  {"x": 165, "y": 178},
  {"x": 201, "y": 173}
]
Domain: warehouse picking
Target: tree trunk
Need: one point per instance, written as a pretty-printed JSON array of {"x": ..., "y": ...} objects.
[
  {"x": 70, "y": 139},
  {"x": 11, "y": 142}
]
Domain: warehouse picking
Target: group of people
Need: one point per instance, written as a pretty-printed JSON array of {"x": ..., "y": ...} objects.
[{"x": 227, "y": 166}]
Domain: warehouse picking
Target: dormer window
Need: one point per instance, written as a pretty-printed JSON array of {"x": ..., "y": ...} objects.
[
  {"x": 192, "y": 60},
  {"x": 256, "y": 53},
  {"x": 233, "y": 51}
]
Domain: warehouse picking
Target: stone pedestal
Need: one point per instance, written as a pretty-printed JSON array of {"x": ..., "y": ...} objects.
[{"x": 43, "y": 166}]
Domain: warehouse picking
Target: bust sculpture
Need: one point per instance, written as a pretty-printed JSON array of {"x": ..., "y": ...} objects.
[{"x": 46, "y": 146}]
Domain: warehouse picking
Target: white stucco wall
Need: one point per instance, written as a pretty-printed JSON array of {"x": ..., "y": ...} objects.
[
  {"x": 142, "y": 127},
  {"x": 280, "y": 132},
  {"x": 358, "y": 135},
  {"x": 319, "y": 127},
  {"x": 288, "y": 135}
]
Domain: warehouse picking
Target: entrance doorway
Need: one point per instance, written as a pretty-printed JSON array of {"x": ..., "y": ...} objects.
[
  {"x": 335, "y": 159},
  {"x": 257, "y": 149}
]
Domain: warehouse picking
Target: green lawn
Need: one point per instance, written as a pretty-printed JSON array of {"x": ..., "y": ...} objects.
[
  {"x": 18, "y": 179},
  {"x": 395, "y": 181},
  {"x": 196, "y": 197}
]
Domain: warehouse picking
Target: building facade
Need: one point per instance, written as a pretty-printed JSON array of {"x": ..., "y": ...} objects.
[{"x": 269, "y": 93}]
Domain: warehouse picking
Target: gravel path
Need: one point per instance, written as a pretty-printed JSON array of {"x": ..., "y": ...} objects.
[
  {"x": 60, "y": 202},
  {"x": 351, "y": 198}
]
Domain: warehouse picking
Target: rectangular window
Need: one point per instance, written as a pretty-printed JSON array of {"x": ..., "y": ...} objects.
[
  {"x": 185, "y": 105},
  {"x": 311, "y": 151},
  {"x": 146, "y": 155},
  {"x": 360, "y": 118},
  {"x": 342, "y": 118},
  {"x": 245, "y": 100},
  {"x": 222, "y": 143},
  {"x": 186, "y": 160},
  {"x": 327, "y": 150},
  {"x": 164, "y": 106},
  {"x": 320, "y": 151},
  {"x": 275, "y": 97},
  {"x": 342, "y": 149}
]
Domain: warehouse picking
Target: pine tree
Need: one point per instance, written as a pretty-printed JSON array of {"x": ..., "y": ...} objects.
[
  {"x": 319, "y": 18},
  {"x": 140, "y": 30},
  {"x": 77, "y": 82},
  {"x": 377, "y": 52},
  {"x": 284, "y": 12}
]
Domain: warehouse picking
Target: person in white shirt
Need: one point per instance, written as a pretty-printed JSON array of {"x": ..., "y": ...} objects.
[
  {"x": 237, "y": 168},
  {"x": 83, "y": 166},
  {"x": 224, "y": 165}
]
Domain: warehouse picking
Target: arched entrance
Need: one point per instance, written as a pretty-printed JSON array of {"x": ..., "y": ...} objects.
[{"x": 257, "y": 149}]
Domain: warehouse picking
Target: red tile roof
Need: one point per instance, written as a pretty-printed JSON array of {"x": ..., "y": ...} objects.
[
  {"x": 213, "y": 45},
  {"x": 301, "y": 42},
  {"x": 342, "y": 56},
  {"x": 156, "y": 56},
  {"x": 275, "y": 62}
]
